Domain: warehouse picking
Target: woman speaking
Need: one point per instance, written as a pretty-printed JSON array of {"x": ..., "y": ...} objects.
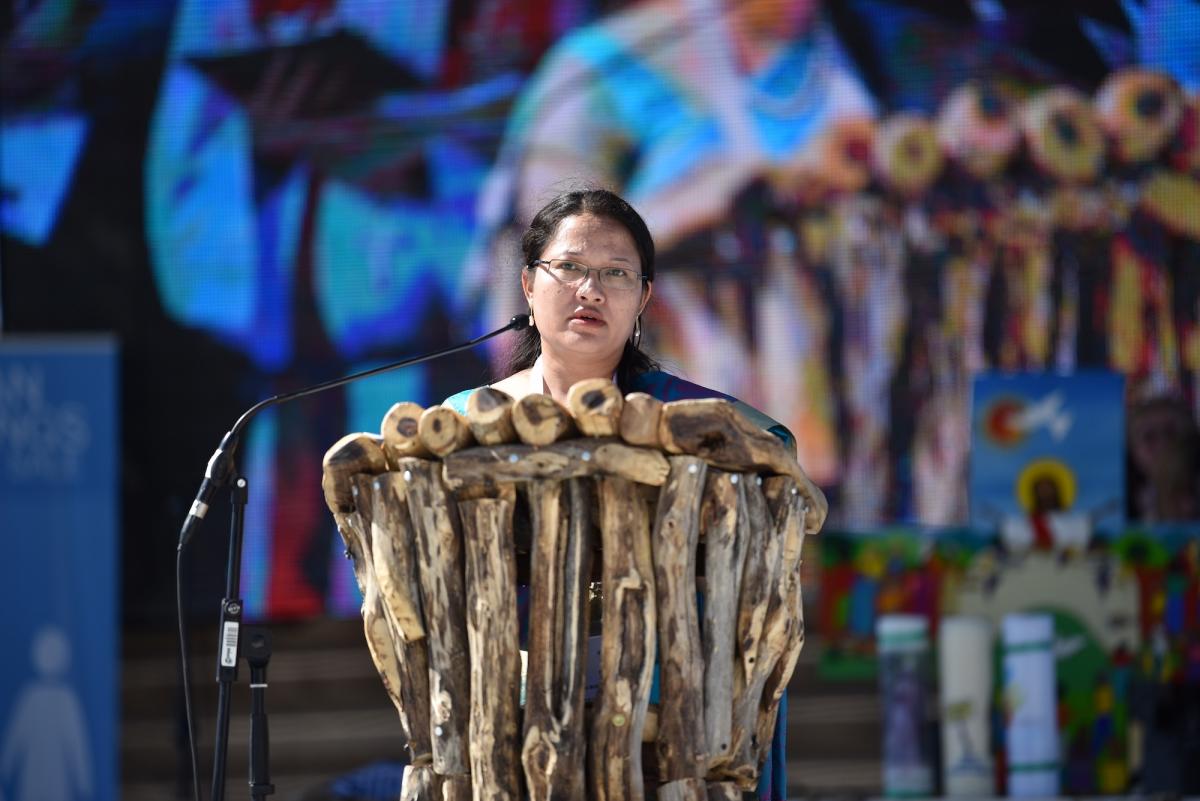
[{"x": 587, "y": 277}]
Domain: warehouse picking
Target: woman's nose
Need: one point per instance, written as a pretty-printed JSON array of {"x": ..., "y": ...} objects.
[{"x": 590, "y": 287}]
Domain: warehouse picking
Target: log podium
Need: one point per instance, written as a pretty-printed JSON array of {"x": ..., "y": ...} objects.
[{"x": 454, "y": 521}]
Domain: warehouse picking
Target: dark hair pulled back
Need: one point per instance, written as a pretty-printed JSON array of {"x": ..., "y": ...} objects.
[{"x": 601, "y": 203}]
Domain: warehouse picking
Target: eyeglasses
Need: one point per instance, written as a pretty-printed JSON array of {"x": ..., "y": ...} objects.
[{"x": 570, "y": 272}]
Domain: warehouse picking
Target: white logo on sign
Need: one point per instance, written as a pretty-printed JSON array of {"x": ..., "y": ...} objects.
[{"x": 38, "y": 438}]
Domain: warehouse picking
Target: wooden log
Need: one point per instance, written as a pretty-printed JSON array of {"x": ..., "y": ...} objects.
[
  {"x": 349, "y": 526},
  {"x": 457, "y": 788},
  {"x": 596, "y": 404},
  {"x": 420, "y": 783},
  {"x": 350, "y": 455},
  {"x": 640, "y": 416},
  {"x": 724, "y": 791},
  {"x": 755, "y": 592},
  {"x": 777, "y": 682},
  {"x": 573, "y": 458},
  {"x": 443, "y": 596},
  {"x": 724, "y": 560},
  {"x": 541, "y": 420},
  {"x": 443, "y": 431},
  {"x": 489, "y": 414},
  {"x": 682, "y": 742},
  {"x": 764, "y": 645},
  {"x": 683, "y": 790},
  {"x": 492, "y": 633},
  {"x": 385, "y": 517},
  {"x": 753, "y": 601},
  {"x": 715, "y": 431},
  {"x": 627, "y": 648},
  {"x": 380, "y": 644},
  {"x": 392, "y": 556},
  {"x": 400, "y": 429},
  {"x": 560, "y": 562},
  {"x": 787, "y": 508},
  {"x": 786, "y": 610}
]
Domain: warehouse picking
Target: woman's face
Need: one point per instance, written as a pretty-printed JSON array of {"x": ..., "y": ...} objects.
[{"x": 586, "y": 320}]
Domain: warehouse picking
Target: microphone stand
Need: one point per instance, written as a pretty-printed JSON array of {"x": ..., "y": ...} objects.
[{"x": 222, "y": 472}]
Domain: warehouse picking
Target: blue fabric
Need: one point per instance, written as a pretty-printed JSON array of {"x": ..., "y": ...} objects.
[{"x": 772, "y": 785}]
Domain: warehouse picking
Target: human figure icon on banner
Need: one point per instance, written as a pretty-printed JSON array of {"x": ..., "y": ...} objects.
[{"x": 46, "y": 754}]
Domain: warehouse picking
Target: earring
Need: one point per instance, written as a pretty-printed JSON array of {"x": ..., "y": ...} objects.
[
  {"x": 532, "y": 324},
  {"x": 637, "y": 332}
]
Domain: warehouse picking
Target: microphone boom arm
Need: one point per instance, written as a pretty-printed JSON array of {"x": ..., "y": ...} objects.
[{"x": 220, "y": 466}]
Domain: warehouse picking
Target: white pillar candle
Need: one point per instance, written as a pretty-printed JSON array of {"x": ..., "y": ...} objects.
[
  {"x": 1029, "y": 691},
  {"x": 965, "y": 676}
]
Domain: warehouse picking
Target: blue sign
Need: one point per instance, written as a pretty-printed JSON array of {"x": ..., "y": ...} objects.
[
  {"x": 1048, "y": 443},
  {"x": 58, "y": 511}
]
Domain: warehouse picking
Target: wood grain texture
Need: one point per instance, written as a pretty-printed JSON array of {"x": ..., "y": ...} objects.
[
  {"x": 574, "y": 458},
  {"x": 560, "y": 564},
  {"x": 380, "y": 644},
  {"x": 400, "y": 433},
  {"x": 350, "y": 455},
  {"x": 715, "y": 431},
  {"x": 640, "y": 416},
  {"x": 541, "y": 420},
  {"x": 457, "y": 788},
  {"x": 768, "y": 603},
  {"x": 420, "y": 783},
  {"x": 786, "y": 613},
  {"x": 683, "y": 790},
  {"x": 392, "y": 555},
  {"x": 724, "y": 791},
  {"x": 682, "y": 744},
  {"x": 724, "y": 560},
  {"x": 443, "y": 431},
  {"x": 492, "y": 635},
  {"x": 443, "y": 597},
  {"x": 391, "y": 544},
  {"x": 596, "y": 405},
  {"x": 489, "y": 414},
  {"x": 628, "y": 640},
  {"x": 753, "y": 602}
]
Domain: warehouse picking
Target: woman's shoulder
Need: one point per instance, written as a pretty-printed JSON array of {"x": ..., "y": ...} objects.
[
  {"x": 458, "y": 401},
  {"x": 668, "y": 387}
]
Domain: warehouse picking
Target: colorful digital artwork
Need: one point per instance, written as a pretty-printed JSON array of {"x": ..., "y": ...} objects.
[{"x": 858, "y": 208}]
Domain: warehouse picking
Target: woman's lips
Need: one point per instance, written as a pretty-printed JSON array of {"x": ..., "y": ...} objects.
[{"x": 586, "y": 320}]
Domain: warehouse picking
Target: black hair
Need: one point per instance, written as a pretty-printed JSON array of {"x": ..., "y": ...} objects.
[{"x": 601, "y": 203}]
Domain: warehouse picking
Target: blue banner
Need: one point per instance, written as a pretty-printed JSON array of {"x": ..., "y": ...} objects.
[{"x": 59, "y": 731}]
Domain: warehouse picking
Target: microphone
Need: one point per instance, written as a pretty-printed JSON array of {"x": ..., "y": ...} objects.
[{"x": 220, "y": 465}]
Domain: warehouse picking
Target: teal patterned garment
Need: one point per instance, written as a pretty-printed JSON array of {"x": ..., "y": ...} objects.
[{"x": 772, "y": 785}]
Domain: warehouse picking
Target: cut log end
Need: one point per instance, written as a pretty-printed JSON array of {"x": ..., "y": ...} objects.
[
  {"x": 596, "y": 405},
  {"x": 489, "y": 414},
  {"x": 400, "y": 430},
  {"x": 541, "y": 420},
  {"x": 350, "y": 455},
  {"x": 443, "y": 431}
]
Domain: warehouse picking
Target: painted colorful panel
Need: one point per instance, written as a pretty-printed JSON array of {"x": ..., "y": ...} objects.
[{"x": 1044, "y": 444}]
